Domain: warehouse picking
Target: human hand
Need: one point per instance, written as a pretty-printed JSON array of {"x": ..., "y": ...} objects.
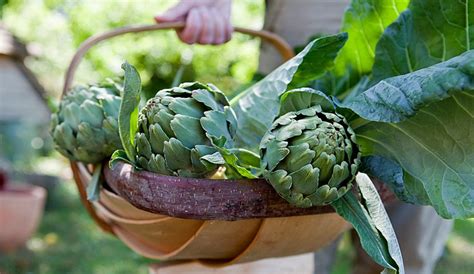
[{"x": 207, "y": 21}]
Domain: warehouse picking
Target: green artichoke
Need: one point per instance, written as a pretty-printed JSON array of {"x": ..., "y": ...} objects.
[
  {"x": 85, "y": 128},
  {"x": 310, "y": 156},
  {"x": 178, "y": 127}
]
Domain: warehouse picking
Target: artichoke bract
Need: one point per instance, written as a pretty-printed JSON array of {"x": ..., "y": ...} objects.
[
  {"x": 176, "y": 129},
  {"x": 310, "y": 157},
  {"x": 85, "y": 128}
]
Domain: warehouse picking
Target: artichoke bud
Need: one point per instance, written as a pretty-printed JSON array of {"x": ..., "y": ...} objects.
[
  {"x": 85, "y": 127},
  {"x": 176, "y": 127},
  {"x": 310, "y": 156}
]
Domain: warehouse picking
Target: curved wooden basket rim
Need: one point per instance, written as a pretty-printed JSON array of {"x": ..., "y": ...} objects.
[{"x": 80, "y": 171}]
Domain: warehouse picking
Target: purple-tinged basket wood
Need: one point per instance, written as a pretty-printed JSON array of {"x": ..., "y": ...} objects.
[{"x": 203, "y": 199}]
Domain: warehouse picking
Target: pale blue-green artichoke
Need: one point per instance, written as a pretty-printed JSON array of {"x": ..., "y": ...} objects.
[
  {"x": 85, "y": 128},
  {"x": 176, "y": 129},
  {"x": 310, "y": 156}
]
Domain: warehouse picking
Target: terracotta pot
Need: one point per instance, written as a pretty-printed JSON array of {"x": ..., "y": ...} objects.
[{"x": 21, "y": 208}]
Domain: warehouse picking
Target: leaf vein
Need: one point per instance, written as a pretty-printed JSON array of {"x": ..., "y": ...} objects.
[
  {"x": 462, "y": 107},
  {"x": 427, "y": 150}
]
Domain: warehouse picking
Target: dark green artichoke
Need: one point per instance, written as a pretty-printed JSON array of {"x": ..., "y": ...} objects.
[
  {"x": 85, "y": 128},
  {"x": 310, "y": 156},
  {"x": 176, "y": 129}
]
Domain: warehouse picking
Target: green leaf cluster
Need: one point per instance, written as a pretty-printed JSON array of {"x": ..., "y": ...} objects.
[{"x": 404, "y": 82}]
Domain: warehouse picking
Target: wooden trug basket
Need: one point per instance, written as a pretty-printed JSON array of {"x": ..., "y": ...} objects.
[{"x": 219, "y": 222}]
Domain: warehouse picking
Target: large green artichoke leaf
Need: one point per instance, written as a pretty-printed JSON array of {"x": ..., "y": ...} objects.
[
  {"x": 257, "y": 107},
  {"x": 417, "y": 40},
  {"x": 428, "y": 32},
  {"x": 401, "y": 183},
  {"x": 364, "y": 21},
  {"x": 372, "y": 224},
  {"x": 128, "y": 114},
  {"x": 424, "y": 121}
]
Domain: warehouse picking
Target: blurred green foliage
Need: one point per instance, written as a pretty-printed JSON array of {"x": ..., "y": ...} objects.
[
  {"x": 23, "y": 144},
  {"x": 55, "y": 28},
  {"x": 2, "y": 3}
]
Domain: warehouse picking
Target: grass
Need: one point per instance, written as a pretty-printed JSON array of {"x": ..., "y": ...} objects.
[
  {"x": 459, "y": 255},
  {"x": 68, "y": 241}
]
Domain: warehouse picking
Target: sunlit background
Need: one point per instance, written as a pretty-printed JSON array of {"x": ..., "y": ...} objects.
[{"x": 67, "y": 240}]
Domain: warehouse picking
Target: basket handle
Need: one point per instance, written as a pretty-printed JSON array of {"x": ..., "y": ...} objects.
[
  {"x": 80, "y": 171},
  {"x": 281, "y": 45}
]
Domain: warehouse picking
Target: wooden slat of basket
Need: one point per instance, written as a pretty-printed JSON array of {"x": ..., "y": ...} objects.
[
  {"x": 200, "y": 198},
  {"x": 174, "y": 238},
  {"x": 164, "y": 235},
  {"x": 120, "y": 207},
  {"x": 221, "y": 240},
  {"x": 280, "y": 237}
]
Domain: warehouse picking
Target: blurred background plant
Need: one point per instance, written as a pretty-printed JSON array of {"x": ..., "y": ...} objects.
[
  {"x": 68, "y": 241},
  {"x": 54, "y": 29}
]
